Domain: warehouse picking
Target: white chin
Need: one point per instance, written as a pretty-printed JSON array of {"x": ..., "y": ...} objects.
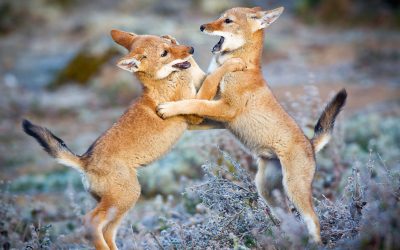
[
  {"x": 167, "y": 69},
  {"x": 231, "y": 41},
  {"x": 231, "y": 44},
  {"x": 164, "y": 72}
]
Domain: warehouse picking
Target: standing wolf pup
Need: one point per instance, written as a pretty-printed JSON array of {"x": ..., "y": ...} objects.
[
  {"x": 254, "y": 115},
  {"x": 168, "y": 73}
]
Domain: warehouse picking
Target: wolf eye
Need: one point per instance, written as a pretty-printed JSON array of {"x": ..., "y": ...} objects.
[
  {"x": 228, "y": 20},
  {"x": 164, "y": 54}
]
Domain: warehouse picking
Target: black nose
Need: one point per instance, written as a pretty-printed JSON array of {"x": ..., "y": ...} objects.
[
  {"x": 191, "y": 50},
  {"x": 202, "y": 27}
]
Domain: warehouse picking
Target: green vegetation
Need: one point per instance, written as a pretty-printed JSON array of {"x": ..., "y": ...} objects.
[{"x": 82, "y": 68}]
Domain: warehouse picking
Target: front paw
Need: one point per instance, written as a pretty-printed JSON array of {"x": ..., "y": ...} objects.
[
  {"x": 235, "y": 64},
  {"x": 194, "y": 120},
  {"x": 165, "y": 110}
]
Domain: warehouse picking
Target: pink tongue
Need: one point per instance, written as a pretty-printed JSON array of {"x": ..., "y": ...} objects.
[{"x": 182, "y": 65}]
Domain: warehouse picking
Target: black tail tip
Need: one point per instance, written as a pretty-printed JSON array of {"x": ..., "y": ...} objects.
[
  {"x": 341, "y": 96},
  {"x": 29, "y": 128},
  {"x": 26, "y": 125}
]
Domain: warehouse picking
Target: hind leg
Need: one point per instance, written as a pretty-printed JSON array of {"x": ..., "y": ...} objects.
[
  {"x": 261, "y": 179},
  {"x": 124, "y": 197},
  {"x": 110, "y": 231},
  {"x": 298, "y": 174},
  {"x": 268, "y": 178},
  {"x": 95, "y": 222},
  {"x": 124, "y": 200}
]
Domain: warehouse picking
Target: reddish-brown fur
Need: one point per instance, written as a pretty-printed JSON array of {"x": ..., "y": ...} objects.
[
  {"x": 253, "y": 114},
  {"x": 139, "y": 137}
]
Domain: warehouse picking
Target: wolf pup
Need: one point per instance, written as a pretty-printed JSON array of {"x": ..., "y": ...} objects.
[
  {"x": 253, "y": 114},
  {"x": 168, "y": 73}
]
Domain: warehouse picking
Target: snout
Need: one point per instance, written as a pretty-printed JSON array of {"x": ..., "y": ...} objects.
[
  {"x": 182, "y": 51},
  {"x": 213, "y": 26}
]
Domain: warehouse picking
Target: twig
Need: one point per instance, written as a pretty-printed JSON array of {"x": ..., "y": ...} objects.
[
  {"x": 157, "y": 241},
  {"x": 227, "y": 224},
  {"x": 221, "y": 181},
  {"x": 275, "y": 221}
]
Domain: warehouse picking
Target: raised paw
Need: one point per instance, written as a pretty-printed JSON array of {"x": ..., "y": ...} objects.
[
  {"x": 235, "y": 64},
  {"x": 165, "y": 110}
]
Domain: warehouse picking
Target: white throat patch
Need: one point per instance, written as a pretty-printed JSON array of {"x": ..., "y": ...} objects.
[
  {"x": 217, "y": 61},
  {"x": 167, "y": 69}
]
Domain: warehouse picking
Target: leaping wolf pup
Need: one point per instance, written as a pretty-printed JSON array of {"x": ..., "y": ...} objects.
[
  {"x": 253, "y": 114},
  {"x": 167, "y": 72}
]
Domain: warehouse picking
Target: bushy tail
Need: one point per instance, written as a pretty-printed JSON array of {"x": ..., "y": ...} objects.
[
  {"x": 324, "y": 127},
  {"x": 53, "y": 145}
]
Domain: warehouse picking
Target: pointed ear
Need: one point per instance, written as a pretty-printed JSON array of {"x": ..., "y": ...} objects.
[
  {"x": 265, "y": 18},
  {"x": 123, "y": 38},
  {"x": 130, "y": 64},
  {"x": 172, "y": 39}
]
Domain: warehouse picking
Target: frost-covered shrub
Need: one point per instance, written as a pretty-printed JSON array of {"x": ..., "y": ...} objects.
[
  {"x": 234, "y": 213},
  {"x": 373, "y": 132},
  {"x": 17, "y": 230},
  {"x": 231, "y": 215},
  {"x": 222, "y": 211},
  {"x": 356, "y": 195}
]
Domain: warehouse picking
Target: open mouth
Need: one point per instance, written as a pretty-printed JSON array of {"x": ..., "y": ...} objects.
[
  {"x": 182, "y": 65},
  {"x": 217, "y": 47}
]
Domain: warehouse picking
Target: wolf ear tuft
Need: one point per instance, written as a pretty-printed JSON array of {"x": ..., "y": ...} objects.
[
  {"x": 171, "y": 38},
  {"x": 129, "y": 64},
  {"x": 123, "y": 38},
  {"x": 270, "y": 16},
  {"x": 265, "y": 18}
]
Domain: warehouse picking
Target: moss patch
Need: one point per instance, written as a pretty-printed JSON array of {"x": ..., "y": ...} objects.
[{"x": 82, "y": 68}]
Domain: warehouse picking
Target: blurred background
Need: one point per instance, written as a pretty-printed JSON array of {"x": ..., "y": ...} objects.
[{"x": 57, "y": 68}]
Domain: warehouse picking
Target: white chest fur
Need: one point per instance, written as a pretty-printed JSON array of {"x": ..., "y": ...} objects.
[
  {"x": 213, "y": 64},
  {"x": 216, "y": 61}
]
